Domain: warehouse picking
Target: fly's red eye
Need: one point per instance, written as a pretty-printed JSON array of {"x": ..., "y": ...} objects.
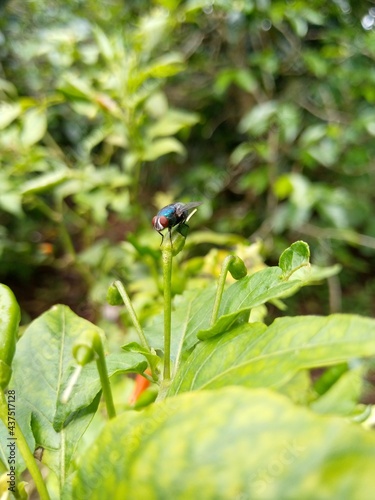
[
  {"x": 163, "y": 221},
  {"x": 154, "y": 220}
]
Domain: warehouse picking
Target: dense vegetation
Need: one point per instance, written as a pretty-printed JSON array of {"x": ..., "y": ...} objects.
[{"x": 265, "y": 112}]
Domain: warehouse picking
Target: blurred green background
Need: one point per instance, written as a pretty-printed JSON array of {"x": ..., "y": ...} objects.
[{"x": 265, "y": 111}]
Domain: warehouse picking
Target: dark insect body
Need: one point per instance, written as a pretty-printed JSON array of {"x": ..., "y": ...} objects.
[{"x": 173, "y": 215}]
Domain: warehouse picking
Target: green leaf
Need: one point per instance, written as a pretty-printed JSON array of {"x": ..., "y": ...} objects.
[
  {"x": 9, "y": 111},
  {"x": 294, "y": 257},
  {"x": 11, "y": 203},
  {"x": 326, "y": 152},
  {"x": 242, "y": 77},
  {"x": 228, "y": 444},
  {"x": 76, "y": 87},
  {"x": 258, "y": 119},
  {"x": 104, "y": 43},
  {"x": 342, "y": 398},
  {"x": 41, "y": 364},
  {"x": 256, "y": 356},
  {"x": 42, "y": 367},
  {"x": 152, "y": 29},
  {"x": 240, "y": 152},
  {"x": 8, "y": 87},
  {"x": 289, "y": 121},
  {"x": 34, "y": 126},
  {"x": 172, "y": 122},
  {"x": 163, "y": 67},
  {"x": 88, "y": 384},
  {"x": 134, "y": 347},
  {"x": 247, "y": 293},
  {"x": 45, "y": 182},
  {"x": 315, "y": 274},
  {"x": 266, "y": 285},
  {"x": 161, "y": 147}
]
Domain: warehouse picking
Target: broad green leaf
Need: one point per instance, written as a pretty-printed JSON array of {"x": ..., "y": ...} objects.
[
  {"x": 256, "y": 356},
  {"x": 9, "y": 111},
  {"x": 104, "y": 44},
  {"x": 298, "y": 389},
  {"x": 76, "y": 87},
  {"x": 8, "y": 88},
  {"x": 166, "y": 65},
  {"x": 88, "y": 384},
  {"x": 11, "y": 203},
  {"x": 97, "y": 136},
  {"x": 34, "y": 126},
  {"x": 242, "y": 77},
  {"x": 247, "y": 293},
  {"x": 312, "y": 135},
  {"x": 4, "y": 450},
  {"x": 85, "y": 108},
  {"x": 240, "y": 152},
  {"x": 326, "y": 152},
  {"x": 42, "y": 367},
  {"x": 152, "y": 29},
  {"x": 228, "y": 444},
  {"x": 258, "y": 119},
  {"x": 266, "y": 285},
  {"x": 299, "y": 25},
  {"x": 289, "y": 121},
  {"x": 172, "y": 122},
  {"x": 315, "y": 273},
  {"x": 45, "y": 182},
  {"x": 163, "y": 67},
  {"x": 294, "y": 257},
  {"x": 161, "y": 147},
  {"x": 46, "y": 345}
]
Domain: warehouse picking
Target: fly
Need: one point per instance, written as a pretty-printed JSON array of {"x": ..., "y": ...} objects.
[{"x": 173, "y": 215}]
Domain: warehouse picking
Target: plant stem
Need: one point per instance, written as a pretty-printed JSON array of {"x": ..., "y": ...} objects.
[
  {"x": 125, "y": 297},
  {"x": 25, "y": 450},
  {"x": 104, "y": 379},
  {"x": 167, "y": 276},
  {"x": 220, "y": 288}
]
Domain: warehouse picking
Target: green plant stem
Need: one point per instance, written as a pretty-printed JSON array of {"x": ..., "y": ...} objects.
[
  {"x": 125, "y": 297},
  {"x": 167, "y": 276},
  {"x": 24, "y": 450},
  {"x": 220, "y": 288},
  {"x": 104, "y": 379}
]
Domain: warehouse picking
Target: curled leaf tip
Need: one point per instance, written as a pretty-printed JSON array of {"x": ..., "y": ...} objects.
[
  {"x": 86, "y": 347},
  {"x": 113, "y": 296}
]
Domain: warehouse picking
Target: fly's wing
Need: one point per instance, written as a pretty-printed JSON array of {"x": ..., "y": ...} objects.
[{"x": 182, "y": 208}]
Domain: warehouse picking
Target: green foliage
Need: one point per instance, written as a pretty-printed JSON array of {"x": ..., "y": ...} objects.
[
  {"x": 40, "y": 379},
  {"x": 265, "y": 103},
  {"x": 10, "y": 316},
  {"x": 227, "y": 443},
  {"x": 256, "y": 356},
  {"x": 222, "y": 393},
  {"x": 264, "y": 112},
  {"x": 108, "y": 92}
]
